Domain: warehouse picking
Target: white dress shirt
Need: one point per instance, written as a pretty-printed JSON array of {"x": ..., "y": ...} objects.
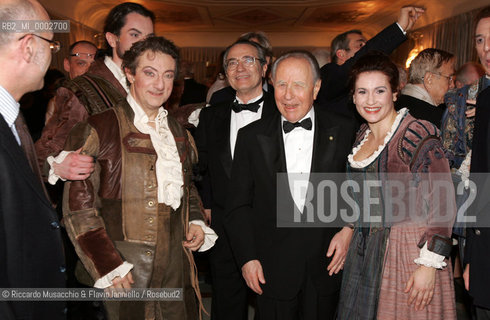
[
  {"x": 298, "y": 148},
  {"x": 241, "y": 119},
  {"x": 117, "y": 71},
  {"x": 9, "y": 110}
]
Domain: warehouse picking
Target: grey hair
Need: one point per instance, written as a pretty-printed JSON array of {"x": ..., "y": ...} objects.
[
  {"x": 260, "y": 51},
  {"x": 15, "y": 10},
  {"x": 428, "y": 60},
  {"x": 299, "y": 54}
]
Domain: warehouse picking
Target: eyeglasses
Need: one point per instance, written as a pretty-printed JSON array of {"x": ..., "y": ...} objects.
[
  {"x": 82, "y": 55},
  {"x": 449, "y": 78},
  {"x": 54, "y": 45},
  {"x": 246, "y": 61}
]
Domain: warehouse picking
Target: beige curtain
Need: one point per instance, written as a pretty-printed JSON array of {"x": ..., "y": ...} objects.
[{"x": 455, "y": 35}]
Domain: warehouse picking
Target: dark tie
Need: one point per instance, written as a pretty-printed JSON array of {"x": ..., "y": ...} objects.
[
  {"x": 28, "y": 147},
  {"x": 289, "y": 126},
  {"x": 254, "y": 106}
]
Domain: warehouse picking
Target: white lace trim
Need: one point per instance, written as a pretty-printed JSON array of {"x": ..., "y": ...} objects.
[
  {"x": 464, "y": 170},
  {"x": 53, "y": 177},
  {"x": 121, "y": 271},
  {"x": 365, "y": 162},
  {"x": 168, "y": 166},
  {"x": 430, "y": 259}
]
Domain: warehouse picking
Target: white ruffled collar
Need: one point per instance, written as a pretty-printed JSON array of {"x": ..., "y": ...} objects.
[
  {"x": 365, "y": 162},
  {"x": 168, "y": 166}
]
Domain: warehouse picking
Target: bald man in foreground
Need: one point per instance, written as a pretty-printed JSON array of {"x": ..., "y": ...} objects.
[{"x": 31, "y": 253}]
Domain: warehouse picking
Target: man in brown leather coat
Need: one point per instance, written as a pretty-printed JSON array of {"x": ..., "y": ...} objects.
[
  {"x": 135, "y": 220},
  {"x": 100, "y": 88}
]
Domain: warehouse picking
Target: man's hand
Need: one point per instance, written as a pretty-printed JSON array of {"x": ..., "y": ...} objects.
[
  {"x": 253, "y": 274},
  {"x": 195, "y": 237},
  {"x": 421, "y": 287},
  {"x": 122, "y": 283},
  {"x": 76, "y": 166},
  {"x": 340, "y": 244},
  {"x": 466, "y": 277},
  {"x": 207, "y": 216},
  {"x": 408, "y": 16}
]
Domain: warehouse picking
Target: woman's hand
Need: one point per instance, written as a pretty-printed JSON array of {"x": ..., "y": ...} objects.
[{"x": 420, "y": 287}]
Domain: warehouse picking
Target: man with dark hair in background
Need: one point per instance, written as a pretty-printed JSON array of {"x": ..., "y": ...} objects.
[
  {"x": 350, "y": 46},
  {"x": 100, "y": 88},
  {"x": 81, "y": 54}
]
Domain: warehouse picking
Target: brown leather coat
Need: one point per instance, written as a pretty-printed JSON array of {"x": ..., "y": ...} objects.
[
  {"x": 71, "y": 108},
  {"x": 114, "y": 216}
]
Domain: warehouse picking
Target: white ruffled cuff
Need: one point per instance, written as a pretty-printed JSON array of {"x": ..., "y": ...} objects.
[
  {"x": 121, "y": 271},
  {"x": 210, "y": 236},
  {"x": 430, "y": 259},
  {"x": 194, "y": 117},
  {"x": 464, "y": 170},
  {"x": 53, "y": 178}
]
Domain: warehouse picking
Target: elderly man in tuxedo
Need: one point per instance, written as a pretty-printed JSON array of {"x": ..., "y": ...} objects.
[
  {"x": 31, "y": 253},
  {"x": 293, "y": 270},
  {"x": 245, "y": 65}
]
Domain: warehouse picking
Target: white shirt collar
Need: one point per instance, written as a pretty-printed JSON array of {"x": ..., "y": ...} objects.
[
  {"x": 117, "y": 72},
  {"x": 418, "y": 92},
  {"x": 251, "y": 100},
  {"x": 10, "y": 107}
]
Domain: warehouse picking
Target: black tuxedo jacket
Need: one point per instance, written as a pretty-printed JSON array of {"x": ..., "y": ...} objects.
[
  {"x": 334, "y": 92},
  {"x": 478, "y": 239},
  {"x": 213, "y": 144},
  {"x": 31, "y": 251},
  {"x": 227, "y": 95},
  {"x": 287, "y": 255}
]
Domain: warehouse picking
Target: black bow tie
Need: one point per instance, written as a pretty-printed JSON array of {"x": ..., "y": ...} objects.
[
  {"x": 254, "y": 106},
  {"x": 289, "y": 126}
]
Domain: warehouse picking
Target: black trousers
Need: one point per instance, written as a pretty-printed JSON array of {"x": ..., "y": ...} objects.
[
  {"x": 307, "y": 305},
  {"x": 229, "y": 297},
  {"x": 482, "y": 313}
]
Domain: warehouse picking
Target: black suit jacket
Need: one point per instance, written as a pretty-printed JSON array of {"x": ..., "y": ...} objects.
[
  {"x": 227, "y": 95},
  {"x": 287, "y": 255},
  {"x": 194, "y": 92},
  {"x": 420, "y": 109},
  {"x": 213, "y": 144},
  {"x": 334, "y": 92},
  {"x": 478, "y": 238},
  {"x": 31, "y": 251}
]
